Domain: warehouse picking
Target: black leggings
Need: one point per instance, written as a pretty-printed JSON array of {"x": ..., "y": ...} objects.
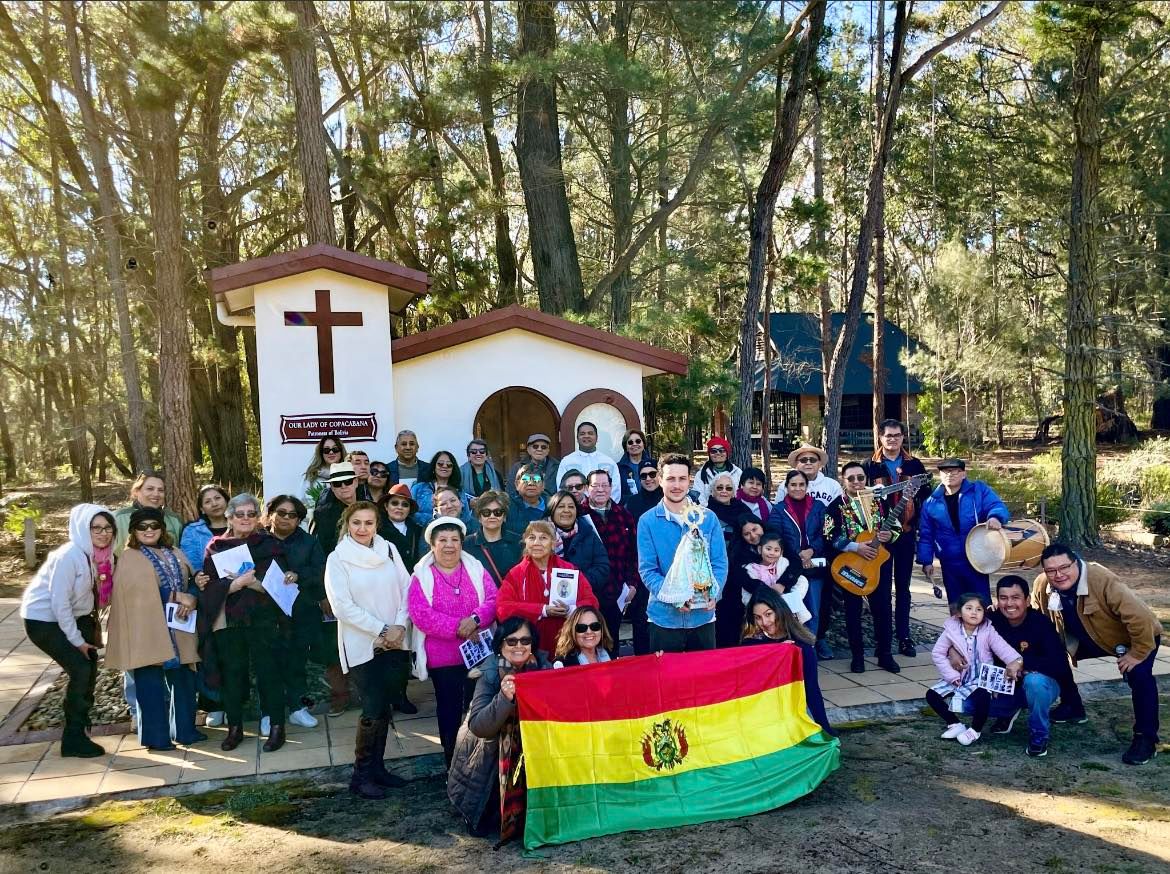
[{"x": 980, "y": 700}]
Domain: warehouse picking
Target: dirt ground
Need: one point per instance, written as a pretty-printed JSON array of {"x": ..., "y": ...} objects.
[{"x": 903, "y": 800}]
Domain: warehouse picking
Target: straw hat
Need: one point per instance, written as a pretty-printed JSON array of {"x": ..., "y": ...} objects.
[{"x": 804, "y": 449}]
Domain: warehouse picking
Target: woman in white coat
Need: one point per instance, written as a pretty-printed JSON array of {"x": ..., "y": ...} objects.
[{"x": 367, "y": 582}]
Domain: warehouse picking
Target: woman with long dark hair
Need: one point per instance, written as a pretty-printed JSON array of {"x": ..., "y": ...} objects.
[{"x": 443, "y": 471}]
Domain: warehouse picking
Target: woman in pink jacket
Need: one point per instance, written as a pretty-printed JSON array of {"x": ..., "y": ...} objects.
[
  {"x": 976, "y": 640},
  {"x": 451, "y": 599}
]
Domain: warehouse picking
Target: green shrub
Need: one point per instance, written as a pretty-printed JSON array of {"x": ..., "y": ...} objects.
[
  {"x": 14, "y": 517},
  {"x": 1142, "y": 476},
  {"x": 1110, "y": 510},
  {"x": 1155, "y": 484},
  {"x": 1156, "y": 520}
]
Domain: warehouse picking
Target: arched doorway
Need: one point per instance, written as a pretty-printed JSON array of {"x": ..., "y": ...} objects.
[
  {"x": 506, "y": 419},
  {"x": 612, "y": 413}
]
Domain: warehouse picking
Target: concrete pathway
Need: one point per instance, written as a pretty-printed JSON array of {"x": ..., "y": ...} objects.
[{"x": 34, "y": 776}]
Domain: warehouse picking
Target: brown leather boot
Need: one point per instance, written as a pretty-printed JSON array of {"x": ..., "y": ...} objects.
[
  {"x": 363, "y": 782},
  {"x": 378, "y": 758},
  {"x": 235, "y": 737},
  {"x": 275, "y": 739}
]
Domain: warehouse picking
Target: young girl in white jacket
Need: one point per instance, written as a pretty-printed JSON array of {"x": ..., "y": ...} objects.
[{"x": 367, "y": 582}]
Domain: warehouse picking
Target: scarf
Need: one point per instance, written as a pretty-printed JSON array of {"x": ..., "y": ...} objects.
[
  {"x": 758, "y": 502},
  {"x": 799, "y": 512},
  {"x": 103, "y": 563},
  {"x": 171, "y": 581},
  {"x": 540, "y": 580},
  {"x": 563, "y": 538},
  {"x": 764, "y": 573}
]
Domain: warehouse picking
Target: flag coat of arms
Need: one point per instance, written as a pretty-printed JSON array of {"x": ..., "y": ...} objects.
[{"x": 657, "y": 742}]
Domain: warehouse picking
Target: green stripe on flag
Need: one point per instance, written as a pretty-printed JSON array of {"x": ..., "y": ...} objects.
[{"x": 560, "y": 814}]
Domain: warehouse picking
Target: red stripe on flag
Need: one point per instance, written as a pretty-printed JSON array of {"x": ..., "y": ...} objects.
[{"x": 632, "y": 688}]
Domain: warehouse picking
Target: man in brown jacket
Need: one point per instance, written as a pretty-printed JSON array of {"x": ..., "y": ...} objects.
[{"x": 1100, "y": 617}]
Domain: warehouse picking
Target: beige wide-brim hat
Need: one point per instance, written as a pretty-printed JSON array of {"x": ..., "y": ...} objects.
[
  {"x": 987, "y": 550},
  {"x": 803, "y": 449}
]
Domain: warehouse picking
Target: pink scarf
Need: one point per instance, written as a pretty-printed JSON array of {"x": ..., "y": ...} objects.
[
  {"x": 759, "y": 501},
  {"x": 103, "y": 561}
]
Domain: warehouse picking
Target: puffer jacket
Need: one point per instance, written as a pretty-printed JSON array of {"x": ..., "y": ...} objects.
[{"x": 475, "y": 765}]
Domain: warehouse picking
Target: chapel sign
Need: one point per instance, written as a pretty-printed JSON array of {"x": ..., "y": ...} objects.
[{"x": 347, "y": 427}]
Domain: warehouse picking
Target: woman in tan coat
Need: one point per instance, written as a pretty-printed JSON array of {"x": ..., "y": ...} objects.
[{"x": 151, "y": 574}]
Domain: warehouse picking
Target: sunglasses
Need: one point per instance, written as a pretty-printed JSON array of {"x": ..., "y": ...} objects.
[
  {"x": 724, "y": 488},
  {"x": 532, "y": 478},
  {"x": 245, "y": 514},
  {"x": 330, "y": 450},
  {"x": 650, "y": 474},
  {"x": 633, "y": 441},
  {"x": 379, "y": 472},
  {"x": 477, "y": 452},
  {"x": 341, "y": 483},
  {"x": 538, "y": 446},
  {"x": 398, "y": 503},
  {"x": 860, "y": 478},
  {"x": 147, "y": 526},
  {"x": 496, "y": 513},
  {"x": 518, "y": 641},
  {"x": 717, "y": 450},
  {"x": 286, "y": 514},
  {"x": 582, "y": 627},
  {"x": 808, "y": 459},
  {"x": 579, "y": 487}
]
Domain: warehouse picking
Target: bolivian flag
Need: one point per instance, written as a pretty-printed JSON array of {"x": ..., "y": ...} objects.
[{"x": 653, "y": 742}]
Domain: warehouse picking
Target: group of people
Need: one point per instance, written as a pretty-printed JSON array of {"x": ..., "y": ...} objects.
[{"x": 406, "y": 567}]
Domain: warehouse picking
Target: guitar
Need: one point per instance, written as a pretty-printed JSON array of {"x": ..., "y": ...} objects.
[{"x": 858, "y": 575}]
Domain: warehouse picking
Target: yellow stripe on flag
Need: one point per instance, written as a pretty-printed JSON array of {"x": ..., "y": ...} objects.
[{"x": 612, "y": 751}]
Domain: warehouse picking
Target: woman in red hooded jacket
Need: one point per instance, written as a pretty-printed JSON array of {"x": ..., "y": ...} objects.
[{"x": 527, "y": 588}]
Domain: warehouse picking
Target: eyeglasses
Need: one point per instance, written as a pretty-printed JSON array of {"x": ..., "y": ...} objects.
[
  {"x": 538, "y": 446},
  {"x": 582, "y": 627},
  {"x": 724, "y": 488},
  {"x": 518, "y": 641},
  {"x": 341, "y": 483},
  {"x": 717, "y": 450},
  {"x": 532, "y": 478},
  {"x": 478, "y": 450},
  {"x": 634, "y": 441},
  {"x": 330, "y": 450},
  {"x": 808, "y": 459},
  {"x": 148, "y": 526},
  {"x": 650, "y": 474},
  {"x": 398, "y": 503},
  {"x": 860, "y": 478},
  {"x": 245, "y": 514},
  {"x": 577, "y": 487},
  {"x": 100, "y": 529},
  {"x": 379, "y": 472},
  {"x": 496, "y": 513},
  {"x": 286, "y": 514},
  {"x": 1061, "y": 571}
]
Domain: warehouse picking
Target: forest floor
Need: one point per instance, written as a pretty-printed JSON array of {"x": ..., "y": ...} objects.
[{"x": 902, "y": 800}]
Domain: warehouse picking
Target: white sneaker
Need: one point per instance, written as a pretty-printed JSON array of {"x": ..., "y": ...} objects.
[
  {"x": 953, "y": 730},
  {"x": 302, "y": 718},
  {"x": 265, "y": 726},
  {"x": 215, "y": 719},
  {"x": 968, "y": 737}
]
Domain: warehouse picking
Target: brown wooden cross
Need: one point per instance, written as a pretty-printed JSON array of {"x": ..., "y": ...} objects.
[{"x": 324, "y": 320}]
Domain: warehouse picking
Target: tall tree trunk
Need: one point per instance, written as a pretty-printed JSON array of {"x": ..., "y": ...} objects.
[
  {"x": 820, "y": 242},
  {"x": 621, "y": 200},
  {"x": 784, "y": 138},
  {"x": 111, "y": 238},
  {"x": 1078, "y": 458},
  {"x": 300, "y": 59},
  {"x": 173, "y": 316},
  {"x": 7, "y": 447},
  {"x": 538, "y": 152},
  {"x": 504, "y": 249},
  {"x": 879, "y": 246},
  {"x": 835, "y": 377}
]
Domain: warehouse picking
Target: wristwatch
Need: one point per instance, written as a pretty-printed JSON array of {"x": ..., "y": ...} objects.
[{"x": 475, "y": 618}]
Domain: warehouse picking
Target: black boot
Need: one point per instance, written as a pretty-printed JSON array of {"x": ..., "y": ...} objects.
[
  {"x": 75, "y": 744},
  {"x": 275, "y": 739},
  {"x": 404, "y": 705},
  {"x": 381, "y": 776},
  {"x": 235, "y": 737},
  {"x": 363, "y": 782}
]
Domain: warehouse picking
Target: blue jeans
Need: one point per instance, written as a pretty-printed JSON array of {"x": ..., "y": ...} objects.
[
  {"x": 166, "y": 706},
  {"x": 812, "y": 599},
  {"x": 1039, "y": 692}
]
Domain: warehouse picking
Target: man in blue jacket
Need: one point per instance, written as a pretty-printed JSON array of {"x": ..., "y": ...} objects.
[
  {"x": 948, "y": 515},
  {"x": 691, "y": 626}
]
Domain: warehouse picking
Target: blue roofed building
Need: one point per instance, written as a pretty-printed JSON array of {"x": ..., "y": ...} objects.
[{"x": 798, "y": 382}]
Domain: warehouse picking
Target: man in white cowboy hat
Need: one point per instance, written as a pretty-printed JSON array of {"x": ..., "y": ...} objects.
[
  {"x": 342, "y": 482},
  {"x": 810, "y": 460}
]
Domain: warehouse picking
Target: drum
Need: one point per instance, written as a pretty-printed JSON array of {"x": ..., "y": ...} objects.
[
  {"x": 1026, "y": 538},
  {"x": 987, "y": 550}
]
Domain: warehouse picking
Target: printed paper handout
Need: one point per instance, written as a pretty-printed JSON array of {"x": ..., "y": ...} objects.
[
  {"x": 475, "y": 649},
  {"x": 564, "y": 587},
  {"x": 174, "y": 622},
  {"x": 994, "y": 679},
  {"x": 282, "y": 593},
  {"x": 232, "y": 562}
]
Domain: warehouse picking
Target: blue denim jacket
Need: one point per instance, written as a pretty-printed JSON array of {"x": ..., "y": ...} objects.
[{"x": 658, "y": 540}]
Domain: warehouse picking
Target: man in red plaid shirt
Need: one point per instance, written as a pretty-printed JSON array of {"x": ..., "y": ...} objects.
[{"x": 619, "y": 533}]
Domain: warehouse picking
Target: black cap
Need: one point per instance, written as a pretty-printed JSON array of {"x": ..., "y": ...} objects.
[
  {"x": 952, "y": 463},
  {"x": 147, "y": 514}
]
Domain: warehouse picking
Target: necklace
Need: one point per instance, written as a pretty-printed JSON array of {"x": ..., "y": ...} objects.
[{"x": 454, "y": 586}]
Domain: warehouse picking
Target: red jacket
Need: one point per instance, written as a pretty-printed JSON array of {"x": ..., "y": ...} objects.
[{"x": 519, "y": 597}]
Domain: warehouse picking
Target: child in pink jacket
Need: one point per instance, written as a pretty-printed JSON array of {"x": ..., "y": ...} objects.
[{"x": 973, "y": 635}]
